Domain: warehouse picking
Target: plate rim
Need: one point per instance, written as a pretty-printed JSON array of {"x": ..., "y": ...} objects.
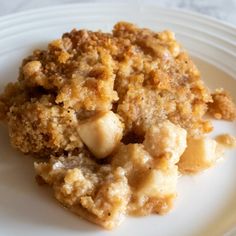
[{"x": 24, "y": 13}]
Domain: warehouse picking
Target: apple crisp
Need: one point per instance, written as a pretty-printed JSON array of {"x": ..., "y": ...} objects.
[{"x": 114, "y": 118}]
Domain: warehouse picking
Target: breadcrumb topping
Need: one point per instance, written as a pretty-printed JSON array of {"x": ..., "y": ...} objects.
[{"x": 114, "y": 116}]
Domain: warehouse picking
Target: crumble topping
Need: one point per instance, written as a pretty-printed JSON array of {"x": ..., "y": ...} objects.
[
  {"x": 115, "y": 117},
  {"x": 222, "y": 106}
]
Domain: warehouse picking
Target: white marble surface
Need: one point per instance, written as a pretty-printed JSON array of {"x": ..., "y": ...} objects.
[{"x": 221, "y": 9}]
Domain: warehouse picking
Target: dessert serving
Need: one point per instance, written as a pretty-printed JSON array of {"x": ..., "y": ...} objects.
[{"x": 113, "y": 119}]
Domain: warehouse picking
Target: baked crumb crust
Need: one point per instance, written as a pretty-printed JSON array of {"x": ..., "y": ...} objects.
[
  {"x": 152, "y": 94},
  {"x": 144, "y": 76},
  {"x": 222, "y": 107}
]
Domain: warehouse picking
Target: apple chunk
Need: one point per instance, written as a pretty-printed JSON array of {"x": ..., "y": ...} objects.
[
  {"x": 160, "y": 183},
  {"x": 102, "y": 133},
  {"x": 200, "y": 154}
]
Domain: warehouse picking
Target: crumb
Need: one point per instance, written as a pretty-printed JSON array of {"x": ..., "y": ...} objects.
[
  {"x": 223, "y": 106},
  {"x": 226, "y": 140},
  {"x": 40, "y": 181}
]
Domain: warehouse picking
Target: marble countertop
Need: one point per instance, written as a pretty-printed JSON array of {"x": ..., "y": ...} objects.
[{"x": 221, "y": 9}]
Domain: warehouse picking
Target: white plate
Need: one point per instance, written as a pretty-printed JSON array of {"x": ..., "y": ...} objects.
[{"x": 206, "y": 204}]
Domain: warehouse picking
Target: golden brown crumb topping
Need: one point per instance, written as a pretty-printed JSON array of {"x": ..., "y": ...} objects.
[
  {"x": 226, "y": 140},
  {"x": 41, "y": 128},
  {"x": 100, "y": 193},
  {"x": 112, "y": 113},
  {"x": 144, "y": 76},
  {"x": 222, "y": 106}
]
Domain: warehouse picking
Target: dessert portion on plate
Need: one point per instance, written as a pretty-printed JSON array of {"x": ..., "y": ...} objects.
[{"x": 114, "y": 118}]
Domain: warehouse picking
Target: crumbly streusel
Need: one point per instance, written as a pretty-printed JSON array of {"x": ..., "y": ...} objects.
[
  {"x": 112, "y": 113},
  {"x": 145, "y": 77}
]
